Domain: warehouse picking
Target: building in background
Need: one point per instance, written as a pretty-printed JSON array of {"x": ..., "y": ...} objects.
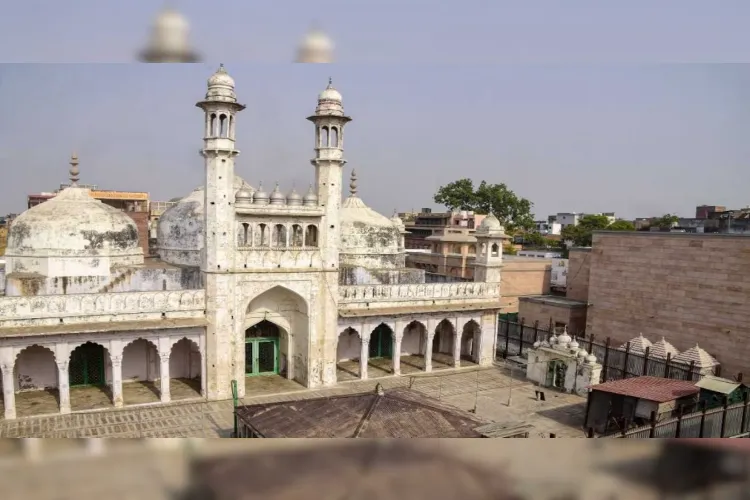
[
  {"x": 547, "y": 228},
  {"x": 428, "y": 223},
  {"x": 703, "y": 211},
  {"x": 565, "y": 219},
  {"x": 134, "y": 204}
]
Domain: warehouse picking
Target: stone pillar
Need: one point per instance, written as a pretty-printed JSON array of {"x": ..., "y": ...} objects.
[
  {"x": 9, "y": 391},
  {"x": 396, "y": 358},
  {"x": 457, "y": 350},
  {"x": 117, "y": 381},
  {"x": 428, "y": 351},
  {"x": 364, "y": 353},
  {"x": 203, "y": 375},
  {"x": 63, "y": 386},
  {"x": 164, "y": 377}
]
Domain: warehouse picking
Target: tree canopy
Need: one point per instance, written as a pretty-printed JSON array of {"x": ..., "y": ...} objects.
[
  {"x": 581, "y": 234},
  {"x": 666, "y": 221},
  {"x": 511, "y": 210}
]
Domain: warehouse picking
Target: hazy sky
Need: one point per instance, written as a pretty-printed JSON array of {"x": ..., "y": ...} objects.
[
  {"x": 436, "y": 91},
  {"x": 637, "y": 140}
]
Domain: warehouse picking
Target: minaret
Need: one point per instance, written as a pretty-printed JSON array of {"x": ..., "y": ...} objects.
[
  {"x": 329, "y": 120},
  {"x": 74, "y": 172},
  {"x": 488, "y": 263},
  {"x": 221, "y": 108}
]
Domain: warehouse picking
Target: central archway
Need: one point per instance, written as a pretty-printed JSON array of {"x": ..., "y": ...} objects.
[{"x": 276, "y": 335}]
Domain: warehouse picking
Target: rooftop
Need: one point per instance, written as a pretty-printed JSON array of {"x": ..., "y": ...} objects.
[
  {"x": 656, "y": 389},
  {"x": 554, "y": 301},
  {"x": 396, "y": 413}
]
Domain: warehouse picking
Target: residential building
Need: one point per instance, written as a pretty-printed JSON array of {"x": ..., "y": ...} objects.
[
  {"x": 547, "y": 228},
  {"x": 428, "y": 224},
  {"x": 703, "y": 211}
]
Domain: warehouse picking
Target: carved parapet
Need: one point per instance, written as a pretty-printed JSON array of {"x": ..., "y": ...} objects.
[
  {"x": 422, "y": 291},
  {"x": 56, "y": 309}
]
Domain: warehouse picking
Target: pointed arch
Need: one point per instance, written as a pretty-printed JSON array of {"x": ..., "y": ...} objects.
[
  {"x": 381, "y": 342},
  {"x": 288, "y": 311},
  {"x": 140, "y": 368},
  {"x": 445, "y": 333},
  {"x": 35, "y": 368},
  {"x": 470, "y": 339}
]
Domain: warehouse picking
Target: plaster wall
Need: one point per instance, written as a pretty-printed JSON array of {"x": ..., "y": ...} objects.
[{"x": 579, "y": 267}]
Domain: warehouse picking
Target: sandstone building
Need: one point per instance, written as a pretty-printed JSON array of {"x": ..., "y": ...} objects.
[{"x": 305, "y": 286}]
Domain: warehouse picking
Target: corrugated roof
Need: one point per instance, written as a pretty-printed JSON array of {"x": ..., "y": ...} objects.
[
  {"x": 657, "y": 389},
  {"x": 718, "y": 384}
]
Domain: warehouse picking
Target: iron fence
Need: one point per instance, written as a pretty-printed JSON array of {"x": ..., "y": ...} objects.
[
  {"x": 515, "y": 338},
  {"x": 728, "y": 421}
]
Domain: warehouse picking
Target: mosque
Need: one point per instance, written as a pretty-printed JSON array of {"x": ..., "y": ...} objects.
[{"x": 307, "y": 286}]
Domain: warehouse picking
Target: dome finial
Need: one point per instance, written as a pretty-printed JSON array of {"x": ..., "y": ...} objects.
[
  {"x": 74, "y": 170},
  {"x": 330, "y": 82},
  {"x": 221, "y": 68},
  {"x": 353, "y": 184}
]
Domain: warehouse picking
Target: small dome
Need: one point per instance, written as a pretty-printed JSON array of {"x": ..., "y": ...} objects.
[
  {"x": 564, "y": 339},
  {"x": 574, "y": 344},
  {"x": 243, "y": 197},
  {"x": 697, "y": 355},
  {"x": 310, "y": 199},
  {"x": 330, "y": 94},
  {"x": 221, "y": 78},
  {"x": 490, "y": 223},
  {"x": 261, "y": 197},
  {"x": 330, "y": 102},
  {"x": 662, "y": 348},
  {"x": 537, "y": 344},
  {"x": 316, "y": 47},
  {"x": 294, "y": 199},
  {"x": 591, "y": 359},
  {"x": 582, "y": 353},
  {"x": 277, "y": 197},
  {"x": 553, "y": 339}
]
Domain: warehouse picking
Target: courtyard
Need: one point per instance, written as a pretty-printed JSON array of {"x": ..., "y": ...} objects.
[{"x": 491, "y": 392}]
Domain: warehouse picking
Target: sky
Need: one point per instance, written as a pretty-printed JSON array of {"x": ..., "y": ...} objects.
[{"x": 575, "y": 107}]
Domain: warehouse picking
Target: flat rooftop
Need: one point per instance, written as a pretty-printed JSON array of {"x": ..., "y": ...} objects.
[{"x": 554, "y": 301}]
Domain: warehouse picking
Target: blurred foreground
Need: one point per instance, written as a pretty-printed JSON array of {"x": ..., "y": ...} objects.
[{"x": 290, "y": 469}]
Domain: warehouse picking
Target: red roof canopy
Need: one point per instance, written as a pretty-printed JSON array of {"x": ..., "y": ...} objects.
[{"x": 657, "y": 389}]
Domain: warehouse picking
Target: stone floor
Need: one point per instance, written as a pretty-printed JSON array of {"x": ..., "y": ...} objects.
[
  {"x": 484, "y": 390},
  {"x": 383, "y": 367},
  {"x": 38, "y": 403}
]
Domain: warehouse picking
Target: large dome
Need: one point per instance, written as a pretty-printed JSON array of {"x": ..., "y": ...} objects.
[
  {"x": 179, "y": 231},
  {"x": 368, "y": 239},
  {"x": 77, "y": 231}
]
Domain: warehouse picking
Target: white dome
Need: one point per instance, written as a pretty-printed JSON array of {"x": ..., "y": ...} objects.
[
  {"x": 221, "y": 78},
  {"x": 330, "y": 94},
  {"x": 368, "y": 239},
  {"x": 180, "y": 231},
  {"x": 490, "y": 223},
  {"x": 72, "y": 225},
  {"x": 169, "y": 39}
]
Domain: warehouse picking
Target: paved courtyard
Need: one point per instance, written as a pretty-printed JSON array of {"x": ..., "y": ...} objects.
[{"x": 486, "y": 391}]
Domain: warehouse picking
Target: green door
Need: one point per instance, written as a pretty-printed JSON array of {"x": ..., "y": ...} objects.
[
  {"x": 87, "y": 365},
  {"x": 381, "y": 343},
  {"x": 261, "y": 356}
]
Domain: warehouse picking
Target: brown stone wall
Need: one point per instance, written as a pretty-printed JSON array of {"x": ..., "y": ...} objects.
[
  {"x": 688, "y": 288},
  {"x": 141, "y": 222},
  {"x": 523, "y": 277},
  {"x": 579, "y": 266},
  {"x": 573, "y": 317}
]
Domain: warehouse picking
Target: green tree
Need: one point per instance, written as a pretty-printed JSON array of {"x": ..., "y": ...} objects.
[
  {"x": 512, "y": 211},
  {"x": 666, "y": 221},
  {"x": 621, "y": 225},
  {"x": 533, "y": 239},
  {"x": 580, "y": 234}
]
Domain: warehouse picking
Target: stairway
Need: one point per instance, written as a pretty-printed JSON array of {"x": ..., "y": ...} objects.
[{"x": 119, "y": 279}]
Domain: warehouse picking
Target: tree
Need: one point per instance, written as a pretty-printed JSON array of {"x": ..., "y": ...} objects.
[
  {"x": 580, "y": 234},
  {"x": 513, "y": 212},
  {"x": 621, "y": 225},
  {"x": 666, "y": 221},
  {"x": 534, "y": 239}
]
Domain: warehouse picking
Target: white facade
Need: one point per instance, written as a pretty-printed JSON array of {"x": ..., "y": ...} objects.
[
  {"x": 247, "y": 282},
  {"x": 548, "y": 228},
  {"x": 539, "y": 254},
  {"x": 565, "y": 219}
]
